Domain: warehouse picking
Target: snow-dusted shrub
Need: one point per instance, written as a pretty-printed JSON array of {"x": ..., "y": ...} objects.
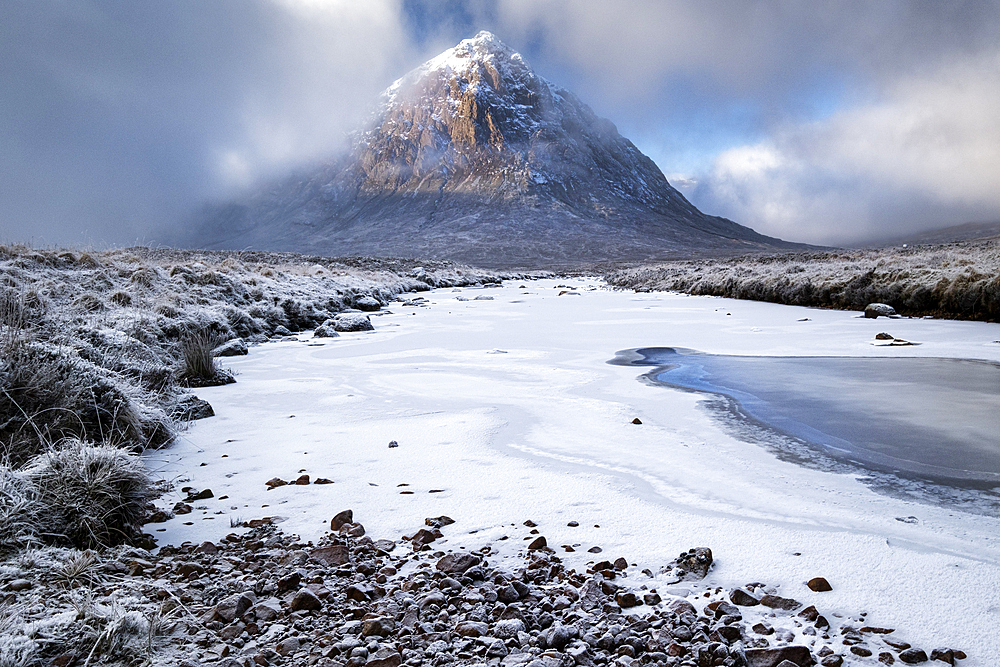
[
  {"x": 120, "y": 298},
  {"x": 47, "y": 393},
  {"x": 17, "y": 511},
  {"x": 90, "y": 303},
  {"x": 89, "y": 495}
]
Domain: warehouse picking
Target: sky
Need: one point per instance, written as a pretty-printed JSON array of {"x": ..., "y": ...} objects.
[{"x": 837, "y": 123}]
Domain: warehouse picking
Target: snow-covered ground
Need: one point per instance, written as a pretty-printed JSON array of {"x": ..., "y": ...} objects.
[{"x": 507, "y": 410}]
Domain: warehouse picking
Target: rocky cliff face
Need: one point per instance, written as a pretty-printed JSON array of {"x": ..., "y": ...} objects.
[{"x": 474, "y": 157}]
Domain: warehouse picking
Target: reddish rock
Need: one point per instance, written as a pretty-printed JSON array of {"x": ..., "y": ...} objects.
[
  {"x": 772, "y": 657},
  {"x": 335, "y": 554},
  {"x": 537, "y": 543},
  {"x": 778, "y": 602},
  {"x": 337, "y": 522},
  {"x": 819, "y": 584}
]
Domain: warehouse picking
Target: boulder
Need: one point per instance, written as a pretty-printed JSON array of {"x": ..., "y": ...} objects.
[
  {"x": 234, "y": 606},
  {"x": 325, "y": 331},
  {"x": 819, "y": 584},
  {"x": 341, "y": 518},
  {"x": 874, "y": 310},
  {"x": 457, "y": 562},
  {"x": 191, "y": 408},
  {"x": 305, "y": 600},
  {"x": 350, "y": 322},
  {"x": 367, "y": 303},
  {"x": 743, "y": 598},
  {"x": 231, "y": 348}
]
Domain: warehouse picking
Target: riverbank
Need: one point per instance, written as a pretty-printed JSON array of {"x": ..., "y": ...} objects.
[{"x": 955, "y": 280}]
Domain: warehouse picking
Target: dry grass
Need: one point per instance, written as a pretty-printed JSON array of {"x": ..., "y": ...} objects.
[{"x": 960, "y": 280}]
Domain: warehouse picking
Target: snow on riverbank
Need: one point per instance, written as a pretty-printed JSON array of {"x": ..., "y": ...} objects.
[{"x": 508, "y": 411}]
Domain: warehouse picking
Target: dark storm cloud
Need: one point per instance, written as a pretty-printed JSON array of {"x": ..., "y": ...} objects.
[{"x": 825, "y": 122}]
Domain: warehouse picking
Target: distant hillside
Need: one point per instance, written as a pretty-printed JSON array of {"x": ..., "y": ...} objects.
[
  {"x": 968, "y": 232},
  {"x": 475, "y": 158}
]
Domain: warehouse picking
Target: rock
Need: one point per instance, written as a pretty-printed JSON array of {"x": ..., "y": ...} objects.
[
  {"x": 323, "y": 480},
  {"x": 367, "y": 303},
  {"x": 819, "y": 584},
  {"x": 204, "y": 494},
  {"x": 778, "y": 602},
  {"x": 335, "y": 554},
  {"x": 385, "y": 657},
  {"x": 693, "y": 564},
  {"x": 913, "y": 656},
  {"x": 380, "y": 626},
  {"x": 350, "y": 322},
  {"x": 233, "y": 607},
  {"x": 289, "y": 582},
  {"x": 508, "y": 628},
  {"x": 591, "y": 595},
  {"x": 874, "y": 310},
  {"x": 884, "y": 336},
  {"x": 287, "y": 646},
  {"x": 886, "y": 658},
  {"x": 507, "y": 594},
  {"x": 325, "y": 331},
  {"x": 832, "y": 661},
  {"x": 810, "y": 613},
  {"x": 266, "y": 611},
  {"x": 636, "y": 421},
  {"x": 472, "y": 629},
  {"x": 743, "y": 598},
  {"x": 281, "y": 330},
  {"x": 538, "y": 543},
  {"x": 627, "y": 600},
  {"x": 303, "y": 480},
  {"x": 651, "y": 599},
  {"x": 681, "y": 606},
  {"x": 772, "y": 657},
  {"x": 595, "y": 550},
  {"x": 458, "y": 562},
  {"x": 439, "y": 521},
  {"x": 358, "y": 593},
  {"x": 483, "y": 297},
  {"x": 191, "y": 408},
  {"x": 338, "y": 521},
  {"x": 863, "y": 651},
  {"x": 231, "y": 348},
  {"x": 19, "y": 585},
  {"x": 944, "y": 655},
  {"x": 384, "y": 546},
  {"x": 620, "y": 564},
  {"x": 274, "y": 483},
  {"x": 305, "y": 600}
]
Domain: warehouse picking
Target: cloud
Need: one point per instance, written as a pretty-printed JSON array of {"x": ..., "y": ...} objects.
[
  {"x": 117, "y": 117},
  {"x": 923, "y": 156},
  {"x": 823, "y": 122}
]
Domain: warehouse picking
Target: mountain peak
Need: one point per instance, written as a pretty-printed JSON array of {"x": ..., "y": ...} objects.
[
  {"x": 473, "y": 156},
  {"x": 484, "y": 52}
]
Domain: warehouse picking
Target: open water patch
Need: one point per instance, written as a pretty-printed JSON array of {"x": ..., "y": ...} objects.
[{"x": 914, "y": 419}]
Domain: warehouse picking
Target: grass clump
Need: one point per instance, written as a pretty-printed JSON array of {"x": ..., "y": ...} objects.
[
  {"x": 87, "y": 495},
  {"x": 199, "y": 367}
]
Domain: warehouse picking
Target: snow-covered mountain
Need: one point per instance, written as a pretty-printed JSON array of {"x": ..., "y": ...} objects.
[{"x": 472, "y": 156}]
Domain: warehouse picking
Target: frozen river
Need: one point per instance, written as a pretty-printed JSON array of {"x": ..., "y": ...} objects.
[
  {"x": 932, "y": 417},
  {"x": 506, "y": 410}
]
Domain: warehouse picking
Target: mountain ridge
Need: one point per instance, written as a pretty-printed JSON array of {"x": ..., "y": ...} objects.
[{"x": 474, "y": 157}]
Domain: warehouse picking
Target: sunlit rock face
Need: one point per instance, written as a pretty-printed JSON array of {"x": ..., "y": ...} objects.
[{"x": 474, "y": 157}]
